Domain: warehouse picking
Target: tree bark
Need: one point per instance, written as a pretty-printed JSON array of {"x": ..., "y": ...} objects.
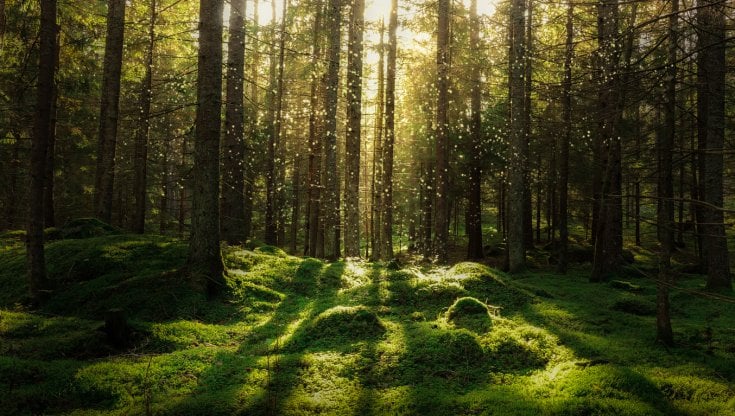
[
  {"x": 250, "y": 171},
  {"x": 109, "y": 110},
  {"x": 205, "y": 257},
  {"x": 232, "y": 204},
  {"x": 527, "y": 87},
  {"x": 140, "y": 160},
  {"x": 516, "y": 156},
  {"x": 49, "y": 213},
  {"x": 608, "y": 234},
  {"x": 474, "y": 194},
  {"x": 354, "y": 124},
  {"x": 37, "y": 280},
  {"x": 565, "y": 142},
  {"x": 665, "y": 186},
  {"x": 711, "y": 98},
  {"x": 280, "y": 141},
  {"x": 377, "y": 194},
  {"x": 386, "y": 251},
  {"x": 315, "y": 142},
  {"x": 271, "y": 226},
  {"x": 441, "y": 222},
  {"x": 331, "y": 175}
]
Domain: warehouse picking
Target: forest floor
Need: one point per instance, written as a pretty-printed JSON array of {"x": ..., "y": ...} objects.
[{"x": 297, "y": 336}]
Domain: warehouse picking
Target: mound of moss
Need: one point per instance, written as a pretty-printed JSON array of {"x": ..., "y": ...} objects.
[
  {"x": 353, "y": 322},
  {"x": 443, "y": 353},
  {"x": 483, "y": 282},
  {"x": 635, "y": 307},
  {"x": 468, "y": 312},
  {"x": 82, "y": 228}
]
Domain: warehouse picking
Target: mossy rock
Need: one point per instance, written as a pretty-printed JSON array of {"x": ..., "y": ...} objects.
[
  {"x": 635, "y": 307},
  {"x": 271, "y": 250},
  {"x": 470, "y": 313},
  {"x": 627, "y": 286},
  {"x": 443, "y": 353},
  {"x": 354, "y": 322},
  {"x": 441, "y": 291},
  {"x": 85, "y": 228},
  {"x": 401, "y": 275}
]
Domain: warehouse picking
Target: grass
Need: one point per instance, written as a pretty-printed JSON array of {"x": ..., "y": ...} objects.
[{"x": 298, "y": 336}]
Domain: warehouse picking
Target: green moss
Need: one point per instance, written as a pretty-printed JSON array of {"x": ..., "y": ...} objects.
[
  {"x": 347, "y": 322},
  {"x": 470, "y": 313}
]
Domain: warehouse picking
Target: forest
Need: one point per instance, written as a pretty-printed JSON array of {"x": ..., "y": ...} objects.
[{"x": 419, "y": 207}]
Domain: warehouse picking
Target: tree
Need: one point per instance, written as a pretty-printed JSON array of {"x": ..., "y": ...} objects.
[
  {"x": 37, "y": 280},
  {"x": 205, "y": 257},
  {"x": 517, "y": 137},
  {"x": 565, "y": 140},
  {"x": 271, "y": 122},
  {"x": 109, "y": 110},
  {"x": 354, "y": 123},
  {"x": 144, "y": 127},
  {"x": 250, "y": 174},
  {"x": 474, "y": 190},
  {"x": 711, "y": 130},
  {"x": 331, "y": 176},
  {"x": 233, "y": 197},
  {"x": 608, "y": 235},
  {"x": 315, "y": 246},
  {"x": 441, "y": 221},
  {"x": 386, "y": 250},
  {"x": 376, "y": 224}
]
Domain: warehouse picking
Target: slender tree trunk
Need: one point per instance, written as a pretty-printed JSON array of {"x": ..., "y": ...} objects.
[
  {"x": 516, "y": 156},
  {"x": 271, "y": 97},
  {"x": 205, "y": 257},
  {"x": 474, "y": 194},
  {"x": 295, "y": 202},
  {"x": 390, "y": 134},
  {"x": 280, "y": 139},
  {"x": 2, "y": 23},
  {"x": 165, "y": 188},
  {"x": 565, "y": 142},
  {"x": 109, "y": 110},
  {"x": 182, "y": 190},
  {"x": 441, "y": 223},
  {"x": 608, "y": 234},
  {"x": 354, "y": 120},
  {"x": 249, "y": 166},
  {"x": 315, "y": 142},
  {"x": 331, "y": 175},
  {"x": 49, "y": 212},
  {"x": 377, "y": 196},
  {"x": 37, "y": 280},
  {"x": 665, "y": 215},
  {"x": 140, "y": 160},
  {"x": 527, "y": 87},
  {"x": 232, "y": 204},
  {"x": 711, "y": 95}
]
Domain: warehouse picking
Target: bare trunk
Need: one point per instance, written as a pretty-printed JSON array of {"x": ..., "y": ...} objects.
[
  {"x": 144, "y": 125},
  {"x": 205, "y": 257},
  {"x": 315, "y": 142},
  {"x": 565, "y": 142},
  {"x": 377, "y": 195},
  {"x": 271, "y": 226},
  {"x": 37, "y": 280},
  {"x": 474, "y": 194},
  {"x": 386, "y": 251},
  {"x": 249, "y": 165},
  {"x": 441, "y": 223},
  {"x": 354, "y": 119},
  {"x": 516, "y": 156},
  {"x": 232, "y": 204},
  {"x": 109, "y": 110}
]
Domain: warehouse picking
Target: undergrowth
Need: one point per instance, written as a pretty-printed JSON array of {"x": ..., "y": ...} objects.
[{"x": 299, "y": 336}]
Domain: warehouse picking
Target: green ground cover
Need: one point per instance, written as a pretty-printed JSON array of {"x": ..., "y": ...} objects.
[{"x": 299, "y": 336}]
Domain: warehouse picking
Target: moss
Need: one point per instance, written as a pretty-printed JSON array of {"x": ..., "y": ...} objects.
[
  {"x": 350, "y": 322},
  {"x": 468, "y": 312},
  {"x": 635, "y": 307}
]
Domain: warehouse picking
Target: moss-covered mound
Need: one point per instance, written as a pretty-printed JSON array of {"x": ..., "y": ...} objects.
[
  {"x": 442, "y": 353},
  {"x": 468, "y": 312},
  {"x": 484, "y": 282},
  {"x": 348, "y": 322},
  {"x": 83, "y": 228}
]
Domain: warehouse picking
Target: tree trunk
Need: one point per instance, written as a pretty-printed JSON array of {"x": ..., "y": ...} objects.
[
  {"x": 205, "y": 257},
  {"x": 516, "y": 157},
  {"x": 271, "y": 226},
  {"x": 49, "y": 213},
  {"x": 37, "y": 280},
  {"x": 527, "y": 87},
  {"x": 377, "y": 188},
  {"x": 474, "y": 194},
  {"x": 295, "y": 201},
  {"x": 665, "y": 215},
  {"x": 331, "y": 175},
  {"x": 280, "y": 146},
  {"x": 315, "y": 142},
  {"x": 249, "y": 166},
  {"x": 386, "y": 251},
  {"x": 140, "y": 159},
  {"x": 565, "y": 142},
  {"x": 233, "y": 182},
  {"x": 608, "y": 234},
  {"x": 441, "y": 222},
  {"x": 354, "y": 120},
  {"x": 109, "y": 110},
  {"x": 711, "y": 95}
]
